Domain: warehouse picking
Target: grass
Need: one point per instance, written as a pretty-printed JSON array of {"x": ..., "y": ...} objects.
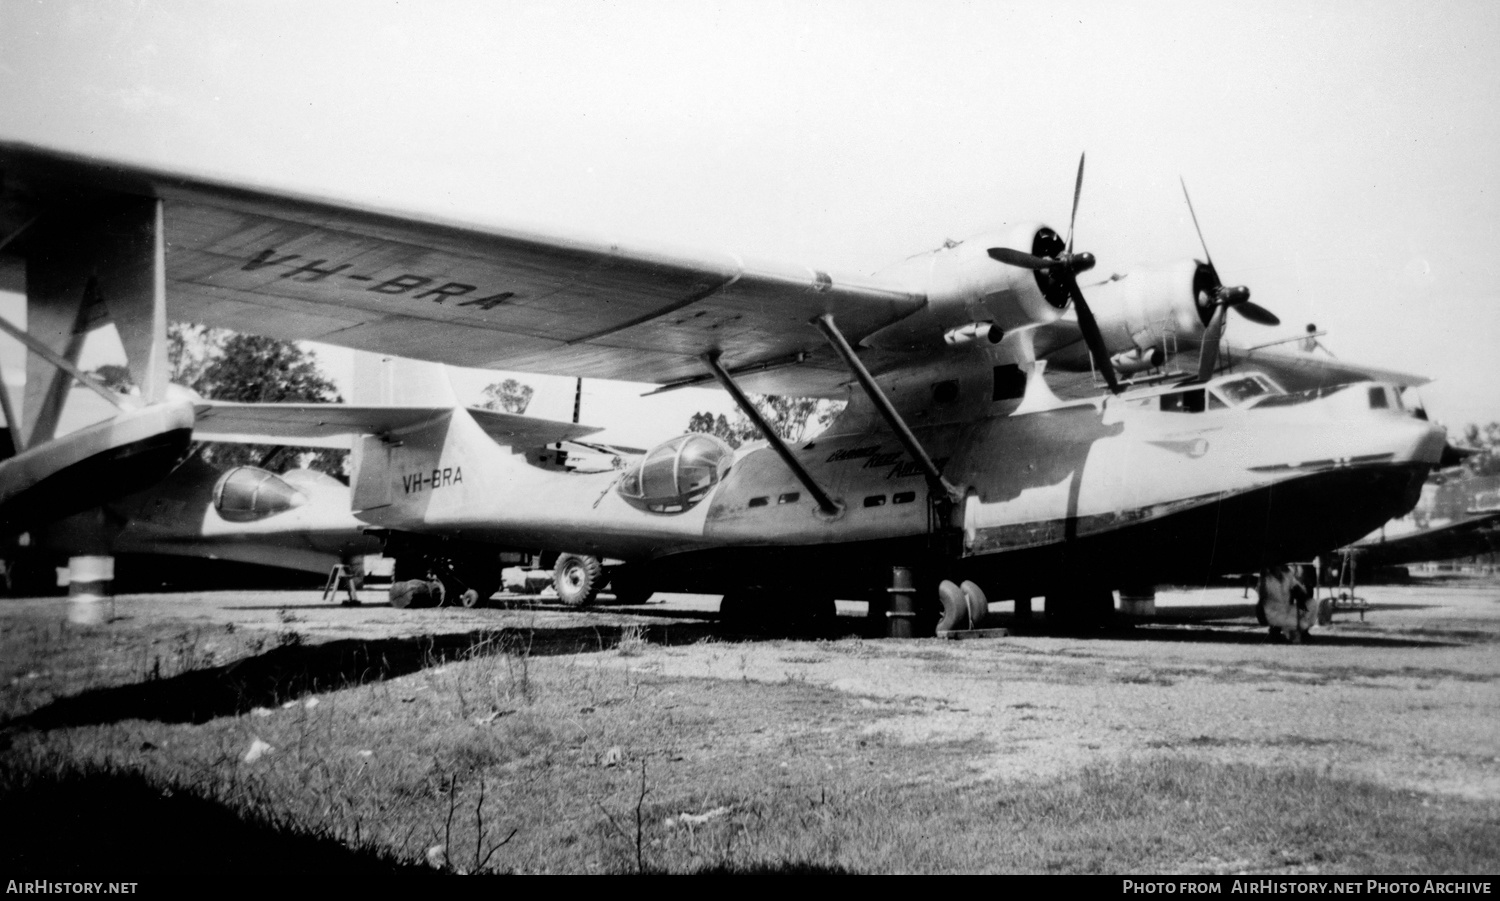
[
  {"x": 632, "y": 640},
  {"x": 509, "y": 751}
]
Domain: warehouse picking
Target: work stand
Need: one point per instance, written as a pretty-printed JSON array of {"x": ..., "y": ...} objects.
[
  {"x": 1342, "y": 594},
  {"x": 342, "y": 577}
]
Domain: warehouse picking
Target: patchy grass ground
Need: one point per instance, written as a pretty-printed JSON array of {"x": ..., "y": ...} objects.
[{"x": 210, "y": 747}]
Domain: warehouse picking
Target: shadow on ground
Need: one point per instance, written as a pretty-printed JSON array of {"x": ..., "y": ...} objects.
[
  {"x": 120, "y": 824},
  {"x": 1193, "y": 632},
  {"x": 288, "y": 672},
  {"x": 291, "y": 671}
]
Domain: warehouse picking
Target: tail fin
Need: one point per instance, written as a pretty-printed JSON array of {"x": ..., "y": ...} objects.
[{"x": 386, "y": 379}]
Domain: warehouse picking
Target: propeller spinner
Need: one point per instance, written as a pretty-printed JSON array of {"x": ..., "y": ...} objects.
[{"x": 1065, "y": 267}]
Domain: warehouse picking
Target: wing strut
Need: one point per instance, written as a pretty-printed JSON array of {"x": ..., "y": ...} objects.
[
  {"x": 939, "y": 486},
  {"x": 118, "y": 400},
  {"x": 825, "y": 503}
]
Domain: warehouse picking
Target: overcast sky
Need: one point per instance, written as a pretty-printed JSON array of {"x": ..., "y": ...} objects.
[{"x": 1341, "y": 155}]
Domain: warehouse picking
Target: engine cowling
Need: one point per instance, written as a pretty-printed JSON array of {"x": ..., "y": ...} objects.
[
  {"x": 964, "y": 286},
  {"x": 249, "y": 493},
  {"x": 1136, "y": 309}
]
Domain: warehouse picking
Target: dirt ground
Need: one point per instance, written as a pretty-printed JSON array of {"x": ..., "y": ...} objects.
[{"x": 1409, "y": 698}]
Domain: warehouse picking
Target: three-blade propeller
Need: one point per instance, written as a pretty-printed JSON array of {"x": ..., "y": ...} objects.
[
  {"x": 1065, "y": 267},
  {"x": 1221, "y": 297}
]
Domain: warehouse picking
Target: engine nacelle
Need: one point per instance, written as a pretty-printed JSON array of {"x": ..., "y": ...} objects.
[
  {"x": 964, "y": 286},
  {"x": 1136, "y": 309},
  {"x": 249, "y": 493}
]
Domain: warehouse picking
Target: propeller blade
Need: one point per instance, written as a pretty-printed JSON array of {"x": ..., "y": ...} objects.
[
  {"x": 1208, "y": 354},
  {"x": 1018, "y": 258},
  {"x": 1238, "y": 296},
  {"x": 1077, "y": 192},
  {"x": 1092, "y": 336},
  {"x": 1206, "y": 258},
  {"x": 1256, "y": 313}
]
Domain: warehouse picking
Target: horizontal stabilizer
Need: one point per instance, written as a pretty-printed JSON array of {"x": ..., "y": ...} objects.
[
  {"x": 614, "y": 450},
  {"x": 512, "y": 430},
  {"x": 334, "y": 425}
]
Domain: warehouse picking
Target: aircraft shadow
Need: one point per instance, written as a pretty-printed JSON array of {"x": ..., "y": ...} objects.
[
  {"x": 1211, "y": 624},
  {"x": 137, "y": 828},
  {"x": 1199, "y": 632},
  {"x": 179, "y": 832},
  {"x": 288, "y": 672}
]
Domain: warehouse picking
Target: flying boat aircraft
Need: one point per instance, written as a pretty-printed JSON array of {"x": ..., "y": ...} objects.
[{"x": 954, "y": 459}]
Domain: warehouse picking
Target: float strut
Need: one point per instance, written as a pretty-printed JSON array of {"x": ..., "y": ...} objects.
[
  {"x": 939, "y": 486},
  {"x": 825, "y": 503}
]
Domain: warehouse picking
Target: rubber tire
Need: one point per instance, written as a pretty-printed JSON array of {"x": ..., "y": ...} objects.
[
  {"x": 413, "y": 593},
  {"x": 577, "y": 579}
]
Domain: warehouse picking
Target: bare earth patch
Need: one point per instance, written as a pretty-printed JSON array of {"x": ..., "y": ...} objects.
[{"x": 624, "y": 738}]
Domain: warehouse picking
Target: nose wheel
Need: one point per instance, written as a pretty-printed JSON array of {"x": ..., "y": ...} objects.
[{"x": 1287, "y": 601}]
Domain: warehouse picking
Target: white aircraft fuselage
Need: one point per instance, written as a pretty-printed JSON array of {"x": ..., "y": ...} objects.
[{"x": 1135, "y": 492}]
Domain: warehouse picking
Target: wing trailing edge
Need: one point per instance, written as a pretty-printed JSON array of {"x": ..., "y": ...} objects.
[{"x": 335, "y": 425}]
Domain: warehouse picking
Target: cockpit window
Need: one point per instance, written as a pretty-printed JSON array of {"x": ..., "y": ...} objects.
[
  {"x": 1183, "y": 401},
  {"x": 1408, "y": 399},
  {"x": 1237, "y": 391},
  {"x": 1300, "y": 397}
]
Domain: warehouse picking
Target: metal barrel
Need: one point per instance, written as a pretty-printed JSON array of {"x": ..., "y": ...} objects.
[{"x": 900, "y": 617}]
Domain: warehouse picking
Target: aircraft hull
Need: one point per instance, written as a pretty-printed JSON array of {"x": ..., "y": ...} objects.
[
  {"x": 177, "y": 517},
  {"x": 1238, "y": 532},
  {"x": 311, "y": 536},
  {"x": 1105, "y": 492}
]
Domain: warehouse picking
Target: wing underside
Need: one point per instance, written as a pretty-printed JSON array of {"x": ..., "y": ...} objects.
[
  {"x": 287, "y": 266},
  {"x": 333, "y": 425}
]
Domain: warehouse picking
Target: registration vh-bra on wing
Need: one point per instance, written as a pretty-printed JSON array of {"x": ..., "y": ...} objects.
[{"x": 955, "y": 472}]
